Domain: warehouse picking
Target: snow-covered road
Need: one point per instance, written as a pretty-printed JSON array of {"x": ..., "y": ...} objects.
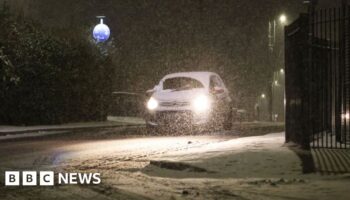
[{"x": 213, "y": 166}]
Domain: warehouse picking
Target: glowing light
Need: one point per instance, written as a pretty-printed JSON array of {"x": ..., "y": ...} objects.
[
  {"x": 152, "y": 103},
  {"x": 263, "y": 96},
  {"x": 276, "y": 83},
  {"x": 283, "y": 19},
  {"x": 101, "y": 32},
  {"x": 282, "y": 71},
  {"x": 201, "y": 103},
  {"x": 345, "y": 116}
]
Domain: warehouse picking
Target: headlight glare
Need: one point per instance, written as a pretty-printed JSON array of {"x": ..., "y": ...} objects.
[
  {"x": 201, "y": 103},
  {"x": 152, "y": 103}
]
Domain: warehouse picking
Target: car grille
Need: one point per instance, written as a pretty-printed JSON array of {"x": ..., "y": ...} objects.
[
  {"x": 174, "y": 103},
  {"x": 174, "y": 117}
]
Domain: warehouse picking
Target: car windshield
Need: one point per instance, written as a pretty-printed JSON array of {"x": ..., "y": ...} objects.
[{"x": 181, "y": 83}]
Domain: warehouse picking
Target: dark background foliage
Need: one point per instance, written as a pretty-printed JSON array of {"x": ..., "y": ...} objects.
[
  {"x": 50, "y": 77},
  {"x": 154, "y": 37}
]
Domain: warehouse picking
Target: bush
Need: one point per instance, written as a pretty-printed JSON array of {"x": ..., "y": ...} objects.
[{"x": 46, "y": 79}]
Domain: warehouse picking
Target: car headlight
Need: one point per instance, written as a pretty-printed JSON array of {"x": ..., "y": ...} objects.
[
  {"x": 201, "y": 104},
  {"x": 152, "y": 103}
]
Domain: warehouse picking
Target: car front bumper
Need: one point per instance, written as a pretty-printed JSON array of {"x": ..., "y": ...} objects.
[{"x": 176, "y": 118}]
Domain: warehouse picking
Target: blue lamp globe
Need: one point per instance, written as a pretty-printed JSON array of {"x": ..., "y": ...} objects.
[{"x": 101, "y": 32}]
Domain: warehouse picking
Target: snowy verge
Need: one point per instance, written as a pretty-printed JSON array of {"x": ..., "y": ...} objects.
[
  {"x": 7, "y": 130},
  {"x": 258, "y": 128},
  {"x": 205, "y": 167},
  {"x": 128, "y": 120}
]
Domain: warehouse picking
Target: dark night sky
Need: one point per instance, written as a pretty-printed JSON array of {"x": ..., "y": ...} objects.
[{"x": 155, "y": 37}]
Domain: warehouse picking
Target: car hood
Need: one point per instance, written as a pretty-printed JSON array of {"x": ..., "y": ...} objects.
[{"x": 181, "y": 96}]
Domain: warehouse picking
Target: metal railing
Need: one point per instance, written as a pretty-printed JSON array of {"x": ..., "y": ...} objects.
[{"x": 318, "y": 79}]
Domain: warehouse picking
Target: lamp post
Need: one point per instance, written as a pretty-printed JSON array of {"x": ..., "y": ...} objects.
[
  {"x": 275, "y": 57},
  {"x": 261, "y": 107},
  {"x": 282, "y": 19}
]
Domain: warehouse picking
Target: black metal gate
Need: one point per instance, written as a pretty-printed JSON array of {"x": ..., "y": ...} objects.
[{"x": 318, "y": 79}]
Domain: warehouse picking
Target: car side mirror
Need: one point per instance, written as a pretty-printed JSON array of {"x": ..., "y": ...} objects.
[
  {"x": 150, "y": 91},
  {"x": 153, "y": 90},
  {"x": 217, "y": 90}
]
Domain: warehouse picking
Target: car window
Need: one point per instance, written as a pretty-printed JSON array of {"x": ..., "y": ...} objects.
[
  {"x": 215, "y": 82},
  {"x": 181, "y": 83}
]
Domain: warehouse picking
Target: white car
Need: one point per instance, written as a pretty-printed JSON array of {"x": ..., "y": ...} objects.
[{"x": 189, "y": 99}]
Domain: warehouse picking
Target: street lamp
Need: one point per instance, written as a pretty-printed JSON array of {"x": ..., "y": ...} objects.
[
  {"x": 272, "y": 30},
  {"x": 283, "y": 19},
  {"x": 101, "y": 32},
  {"x": 345, "y": 116},
  {"x": 275, "y": 38}
]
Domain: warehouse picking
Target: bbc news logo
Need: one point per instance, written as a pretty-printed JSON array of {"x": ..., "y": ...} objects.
[{"x": 48, "y": 178}]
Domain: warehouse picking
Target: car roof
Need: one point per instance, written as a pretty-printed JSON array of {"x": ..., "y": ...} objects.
[{"x": 202, "y": 76}]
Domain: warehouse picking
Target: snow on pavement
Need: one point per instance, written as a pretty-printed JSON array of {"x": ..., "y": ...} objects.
[{"x": 203, "y": 167}]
